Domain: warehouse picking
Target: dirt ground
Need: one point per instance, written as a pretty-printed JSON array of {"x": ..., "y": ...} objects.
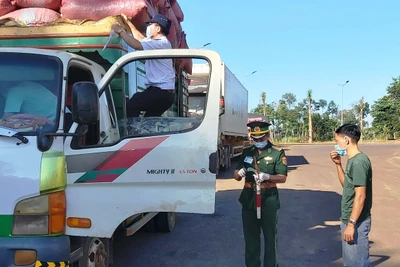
[{"x": 309, "y": 233}]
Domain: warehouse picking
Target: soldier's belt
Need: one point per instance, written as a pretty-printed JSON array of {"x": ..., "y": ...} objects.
[{"x": 263, "y": 185}]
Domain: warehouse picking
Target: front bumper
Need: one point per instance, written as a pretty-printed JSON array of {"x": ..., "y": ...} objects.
[{"x": 51, "y": 251}]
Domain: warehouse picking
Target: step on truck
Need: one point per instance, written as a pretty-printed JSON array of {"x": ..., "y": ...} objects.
[{"x": 74, "y": 170}]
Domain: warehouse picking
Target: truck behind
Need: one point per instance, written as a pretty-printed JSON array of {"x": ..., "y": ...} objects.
[{"x": 233, "y": 134}]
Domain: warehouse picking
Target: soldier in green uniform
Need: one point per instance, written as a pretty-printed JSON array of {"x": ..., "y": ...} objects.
[{"x": 272, "y": 165}]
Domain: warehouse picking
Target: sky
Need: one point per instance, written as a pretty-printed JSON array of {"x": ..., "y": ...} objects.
[{"x": 297, "y": 45}]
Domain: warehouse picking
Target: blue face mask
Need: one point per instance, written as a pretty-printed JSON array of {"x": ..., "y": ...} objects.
[
  {"x": 260, "y": 145},
  {"x": 340, "y": 151}
]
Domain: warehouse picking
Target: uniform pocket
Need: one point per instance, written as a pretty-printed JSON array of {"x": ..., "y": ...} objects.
[
  {"x": 247, "y": 198},
  {"x": 270, "y": 199}
]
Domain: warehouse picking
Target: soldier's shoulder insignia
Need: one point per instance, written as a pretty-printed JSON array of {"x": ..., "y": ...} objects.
[
  {"x": 284, "y": 160},
  {"x": 277, "y": 148}
]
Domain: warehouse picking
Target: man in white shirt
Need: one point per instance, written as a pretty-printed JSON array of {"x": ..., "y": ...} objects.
[{"x": 160, "y": 86}]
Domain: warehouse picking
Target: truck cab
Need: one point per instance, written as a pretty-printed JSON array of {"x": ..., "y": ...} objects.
[{"x": 74, "y": 169}]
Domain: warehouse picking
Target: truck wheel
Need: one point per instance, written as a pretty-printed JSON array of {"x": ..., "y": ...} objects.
[
  {"x": 228, "y": 158},
  {"x": 165, "y": 222},
  {"x": 96, "y": 253}
]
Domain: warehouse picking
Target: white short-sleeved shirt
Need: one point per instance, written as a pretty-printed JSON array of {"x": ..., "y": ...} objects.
[{"x": 160, "y": 72}]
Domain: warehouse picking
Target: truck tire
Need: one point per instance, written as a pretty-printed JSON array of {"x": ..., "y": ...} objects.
[
  {"x": 165, "y": 222},
  {"x": 226, "y": 158},
  {"x": 229, "y": 160},
  {"x": 96, "y": 252}
]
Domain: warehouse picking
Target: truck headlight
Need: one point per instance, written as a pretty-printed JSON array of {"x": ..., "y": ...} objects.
[{"x": 41, "y": 215}]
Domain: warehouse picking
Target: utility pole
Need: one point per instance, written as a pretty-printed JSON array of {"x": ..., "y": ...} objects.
[{"x": 341, "y": 114}]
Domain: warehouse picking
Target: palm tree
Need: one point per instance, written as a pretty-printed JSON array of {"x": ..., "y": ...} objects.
[
  {"x": 263, "y": 98},
  {"x": 309, "y": 101}
]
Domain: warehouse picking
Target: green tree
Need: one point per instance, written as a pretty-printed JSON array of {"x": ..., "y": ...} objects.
[
  {"x": 386, "y": 118},
  {"x": 290, "y": 99},
  {"x": 323, "y": 103},
  {"x": 361, "y": 111},
  {"x": 386, "y": 111},
  {"x": 332, "y": 109}
]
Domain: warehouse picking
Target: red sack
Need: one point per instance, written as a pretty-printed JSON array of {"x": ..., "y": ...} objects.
[
  {"x": 100, "y": 9},
  {"x": 34, "y": 16},
  {"x": 51, "y": 4},
  {"x": 178, "y": 11},
  {"x": 182, "y": 41},
  {"x": 6, "y": 7},
  {"x": 163, "y": 6},
  {"x": 139, "y": 21},
  {"x": 172, "y": 36},
  {"x": 174, "y": 21}
]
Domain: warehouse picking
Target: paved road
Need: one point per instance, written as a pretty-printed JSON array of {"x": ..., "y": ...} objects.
[{"x": 309, "y": 233}]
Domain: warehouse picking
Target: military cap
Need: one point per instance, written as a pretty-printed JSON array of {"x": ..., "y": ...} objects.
[{"x": 258, "y": 128}]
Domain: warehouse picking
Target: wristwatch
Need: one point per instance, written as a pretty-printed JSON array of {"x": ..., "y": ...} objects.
[{"x": 353, "y": 222}]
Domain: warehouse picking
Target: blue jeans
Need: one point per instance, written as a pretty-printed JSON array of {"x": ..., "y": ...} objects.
[{"x": 357, "y": 254}]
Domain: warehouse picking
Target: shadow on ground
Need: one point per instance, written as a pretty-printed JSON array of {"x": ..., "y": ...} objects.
[{"x": 309, "y": 235}]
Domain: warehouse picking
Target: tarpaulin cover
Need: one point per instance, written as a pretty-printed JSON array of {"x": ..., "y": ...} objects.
[
  {"x": 33, "y": 16},
  {"x": 99, "y": 9},
  {"x": 172, "y": 36},
  {"x": 163, "y": 6},
  {"x": 185, "y": 63},
  {"x": 178, "y": 11},
  {"x": 6, "y": 7},
  {"x": 51, "y": 4}
]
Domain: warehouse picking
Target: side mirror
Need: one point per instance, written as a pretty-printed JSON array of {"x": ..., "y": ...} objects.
[{"x": 85, "y": 103}]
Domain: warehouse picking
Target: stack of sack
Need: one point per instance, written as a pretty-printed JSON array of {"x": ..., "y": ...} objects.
[
  {"x": 31, "y": 12},
  {"x": 43, "y": 12}
]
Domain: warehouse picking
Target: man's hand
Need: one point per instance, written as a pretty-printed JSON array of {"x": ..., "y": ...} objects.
[
  {"x": 335, "y": 158},
  {"x": 348, "y": 234},
  {"x": 117, "y": 28},
  {"x": 239, "y": 174},
  {"x": 127, "y": 20},
  {"x": 242, "y": 172},
  {"x": 137, "y": 34},
  {"x": 262, "y": 176}
]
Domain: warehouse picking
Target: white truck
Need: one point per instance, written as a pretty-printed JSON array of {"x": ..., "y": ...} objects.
[
  {"x": 69, "y": 181},
  {"x": 232, "y": 133}
]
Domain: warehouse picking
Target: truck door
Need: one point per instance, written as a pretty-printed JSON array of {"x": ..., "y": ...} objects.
[{"x": 159, "y": 164}]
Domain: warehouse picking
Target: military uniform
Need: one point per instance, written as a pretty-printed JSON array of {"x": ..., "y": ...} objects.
[{"x": 271, "y": 160}]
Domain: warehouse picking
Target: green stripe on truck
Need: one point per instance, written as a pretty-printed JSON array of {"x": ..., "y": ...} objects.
[{"x": 6, "y": 222}]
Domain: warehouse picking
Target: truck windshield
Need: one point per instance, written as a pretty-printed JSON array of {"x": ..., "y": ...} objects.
[{"x": 30, "y": 88}]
